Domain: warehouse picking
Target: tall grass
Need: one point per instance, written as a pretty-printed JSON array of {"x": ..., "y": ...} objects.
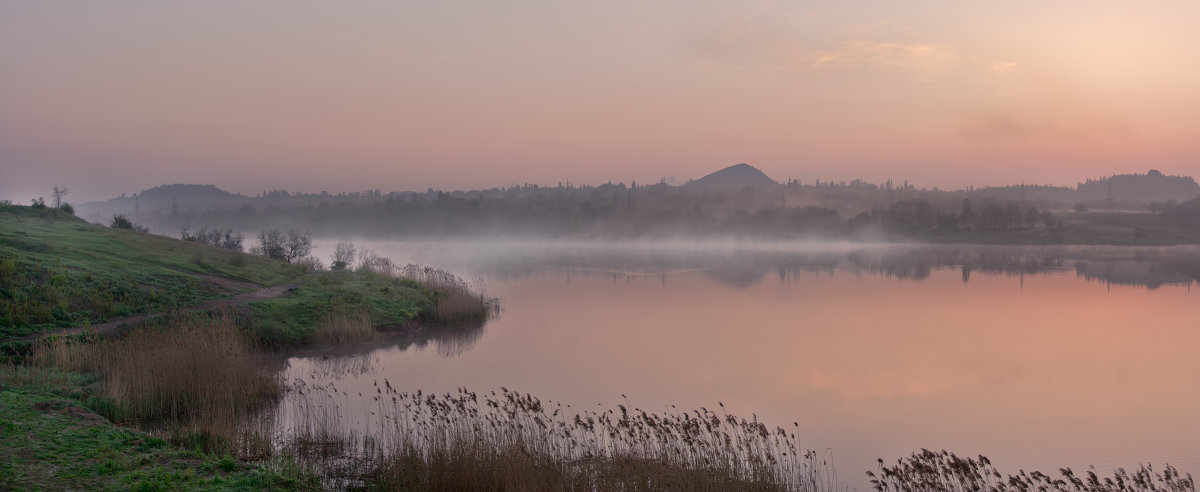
[
  {"x": 342, "y": 328},
  {"x": 508, "y": 440},
  {"x": 199, "y": 378}
]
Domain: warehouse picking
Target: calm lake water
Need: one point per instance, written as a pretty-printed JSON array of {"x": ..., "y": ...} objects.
[{"x": 1037, "y": 358}]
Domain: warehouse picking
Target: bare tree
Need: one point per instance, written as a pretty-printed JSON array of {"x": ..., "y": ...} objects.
[
  {"x": 299, "y": 245},
  {"x": 59, "y": 193},
  {"x": 270, "y": 244},
  {"x": 287, "y": 246}
]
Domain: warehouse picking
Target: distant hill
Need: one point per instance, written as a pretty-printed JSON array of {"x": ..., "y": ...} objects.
[
  {"x": 1189, "y": 211},
  {"x": 185, "y": 192},
  {"x": 738, "y": 176},
  {"x": 1153, "y": 186},
  {"x": 145, "y": 206}
]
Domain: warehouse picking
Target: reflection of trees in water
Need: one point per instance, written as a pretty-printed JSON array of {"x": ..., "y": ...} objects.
[
  {"x": 919, "y": 265},
  {"x": 738, "y": 275},
  {"x": 743, "y": 269},
  {"x": 1150, "y": 275}
]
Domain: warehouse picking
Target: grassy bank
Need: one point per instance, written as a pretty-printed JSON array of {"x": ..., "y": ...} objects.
[
  {"x": 50, "y": 439},
  {"x": 57, "y": 271},
  {"x": 189, "y": 373},
  {"x": 382, "y": 300}
]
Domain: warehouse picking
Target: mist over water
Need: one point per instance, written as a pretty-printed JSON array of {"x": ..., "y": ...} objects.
[{"x": 1038, "y": 358}]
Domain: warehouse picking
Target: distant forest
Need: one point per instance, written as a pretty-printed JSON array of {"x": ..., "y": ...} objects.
[{"x": 738, "y": 201}]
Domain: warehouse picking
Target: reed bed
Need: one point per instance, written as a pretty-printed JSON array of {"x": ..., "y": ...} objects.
[
  {"x": 929, "y": 470},
  {"x": 456, "y": 300},
  {"x": 197, "y": 380},
  {"x": 343, "y": 328},
  {"x": 508, "y": 440}
]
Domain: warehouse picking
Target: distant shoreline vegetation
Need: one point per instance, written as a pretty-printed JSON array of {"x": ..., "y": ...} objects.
[{"x": 740, "y": 201}]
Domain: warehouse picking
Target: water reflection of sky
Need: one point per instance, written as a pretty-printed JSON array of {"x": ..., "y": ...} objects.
[{"x": 1037, "y": 360}]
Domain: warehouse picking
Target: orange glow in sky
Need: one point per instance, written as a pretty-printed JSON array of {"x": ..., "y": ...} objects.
[{"x": 111, "y": 97}]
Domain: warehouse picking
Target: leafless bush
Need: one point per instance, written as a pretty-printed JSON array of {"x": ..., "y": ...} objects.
[
  {"x": 369, "y": 261},
  {"x": 217, "y": 238},
  {"x": 343, "y": 256}
]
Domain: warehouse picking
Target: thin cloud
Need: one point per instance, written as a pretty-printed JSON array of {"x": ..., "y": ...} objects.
[
  {"x": 769, "y": 42},
  {"x": 883, "y": 55}
]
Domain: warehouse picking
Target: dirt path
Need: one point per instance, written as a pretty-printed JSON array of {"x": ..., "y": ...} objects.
[{"x": 109, "y": 327}]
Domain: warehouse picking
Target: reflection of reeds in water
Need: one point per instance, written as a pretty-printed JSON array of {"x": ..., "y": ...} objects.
[
  {"x": 928, "y": 470},
  {"x": 509, "y": 440},
  {"x": 454, "y": 339}
]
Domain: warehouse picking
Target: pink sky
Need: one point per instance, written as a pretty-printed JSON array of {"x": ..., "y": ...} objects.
[{"x": 114, "y": 97}]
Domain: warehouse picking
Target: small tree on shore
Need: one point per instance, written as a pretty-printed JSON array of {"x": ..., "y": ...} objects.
[
  {"x": 343, "y": 256},
  {"x": 121, "y": 222},
  {"x": 298, "y": 245},
  {"x": 287, "y": 246}
]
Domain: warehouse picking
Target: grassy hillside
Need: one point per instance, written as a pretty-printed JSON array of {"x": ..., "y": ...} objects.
[
  {"x": 50, "y": 440},
  {"x": 58, "y": 271}
]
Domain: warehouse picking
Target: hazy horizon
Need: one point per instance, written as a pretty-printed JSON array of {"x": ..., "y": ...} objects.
[
  {"x": 251, "y": 192},
  {"x": 122, "y": 96}
]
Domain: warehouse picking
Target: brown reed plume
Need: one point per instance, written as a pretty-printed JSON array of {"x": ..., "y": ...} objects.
[{"x": 508, "y": 440}]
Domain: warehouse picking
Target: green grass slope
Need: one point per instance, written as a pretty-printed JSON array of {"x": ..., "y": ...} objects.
[
  {"x": 58, "y": 271},
  {"x": 292, "y": 320},
  {"x": 49, "y": 440}
]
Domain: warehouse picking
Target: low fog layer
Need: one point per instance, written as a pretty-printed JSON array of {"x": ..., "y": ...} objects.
[
  {"x": 737, "y": 202},
  {"x": 745, "y": 263}
]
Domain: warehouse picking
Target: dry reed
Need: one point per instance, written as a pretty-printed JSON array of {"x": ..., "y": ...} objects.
[
  {"x": 197, "y": 380},
  {"x": 929, "y": 470},
  {"x": 336, "y": 329},
  {"x": 513, "y": 441},
  {"x": 455, "y": 301}
]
